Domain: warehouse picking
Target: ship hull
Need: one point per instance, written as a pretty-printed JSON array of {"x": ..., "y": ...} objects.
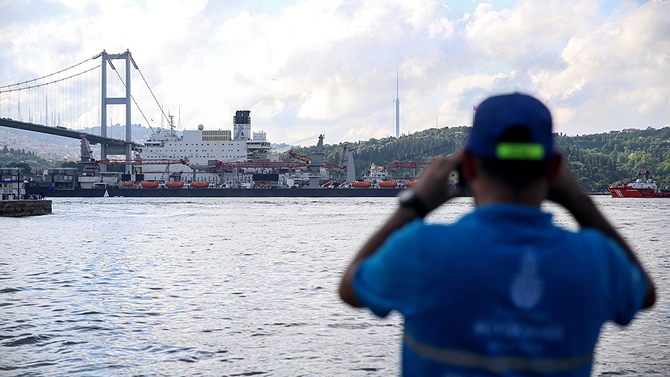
[
  {"x": 221, "y": 192},
  {"x": 627, "y": 192}
]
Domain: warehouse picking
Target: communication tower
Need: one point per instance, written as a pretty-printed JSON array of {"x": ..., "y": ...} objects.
[{"x": 397, "y": 107}]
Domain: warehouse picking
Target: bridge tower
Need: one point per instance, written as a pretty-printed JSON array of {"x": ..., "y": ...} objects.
[{"x": 104, "y": 150}]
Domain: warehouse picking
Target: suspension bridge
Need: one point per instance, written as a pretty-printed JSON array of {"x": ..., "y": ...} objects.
[{"x": 74, "y": 100}]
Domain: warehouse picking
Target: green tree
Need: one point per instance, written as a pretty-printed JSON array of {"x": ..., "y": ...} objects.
[{"x": 27, "y": 170}]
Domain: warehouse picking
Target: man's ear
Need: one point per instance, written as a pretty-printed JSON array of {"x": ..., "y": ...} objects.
[{"x": 555, "y": 165}]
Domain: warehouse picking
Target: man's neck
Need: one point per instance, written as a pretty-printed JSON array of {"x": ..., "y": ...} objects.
[{"x": 489, "y": 191}]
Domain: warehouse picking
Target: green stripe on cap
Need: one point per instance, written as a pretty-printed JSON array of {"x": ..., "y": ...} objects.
[{"x": 520, "y": 151}]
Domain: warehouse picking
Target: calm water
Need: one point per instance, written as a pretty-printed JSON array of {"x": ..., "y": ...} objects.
[{"x": 240, "y": 287}]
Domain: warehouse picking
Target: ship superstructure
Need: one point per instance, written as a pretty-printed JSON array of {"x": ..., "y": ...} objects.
[{"x": 166, "y": 153}]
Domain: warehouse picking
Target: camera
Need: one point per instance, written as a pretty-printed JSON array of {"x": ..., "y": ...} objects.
[{"x": 458, "y": 179}]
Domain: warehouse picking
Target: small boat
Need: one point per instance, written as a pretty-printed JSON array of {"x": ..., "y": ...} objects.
[
  {"x": 409, "y": 183},
  {"x": 202, "y": 184},
  {"x": 176, "y": 184},
  {"x": 149, "y": 184},
  {"x": 128, "y": 184},
  {"x": 388, "y": 184},
  {"x": 641, "y": 187}
]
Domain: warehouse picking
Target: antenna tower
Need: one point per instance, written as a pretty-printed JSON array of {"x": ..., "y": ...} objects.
[{"x": 397, "y": 106}]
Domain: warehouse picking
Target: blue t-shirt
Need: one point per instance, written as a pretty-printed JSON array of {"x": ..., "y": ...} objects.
[{"x": 502, "y": 291}]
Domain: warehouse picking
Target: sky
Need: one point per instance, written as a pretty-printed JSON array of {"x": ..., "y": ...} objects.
[{"x": 308, "y": 67}]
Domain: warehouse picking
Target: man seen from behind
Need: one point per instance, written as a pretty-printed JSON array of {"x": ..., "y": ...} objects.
[{"x": 503, "y": 291}]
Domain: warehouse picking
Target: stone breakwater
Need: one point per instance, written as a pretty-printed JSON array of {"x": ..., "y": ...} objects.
[{"x": 20, "y": 208}]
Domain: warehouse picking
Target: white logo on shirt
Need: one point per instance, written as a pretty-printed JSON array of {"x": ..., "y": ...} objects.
[{"x": 527, "y": 287}]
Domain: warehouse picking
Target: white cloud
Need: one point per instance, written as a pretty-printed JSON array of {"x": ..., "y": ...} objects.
[{"x": 329, "y": 67}]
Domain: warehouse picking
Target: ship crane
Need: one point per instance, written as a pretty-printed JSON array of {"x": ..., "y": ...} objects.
[
  {"x": 330, "y": 165},
  {"x": 259, "y": 165},
  {"x": 307, "y": 160},
  {"x": 300, "y": 157},
  {"x": 180, "y": 161},
  {"x": 396, "y": 165},
  {"x": 407, "y": 165}
]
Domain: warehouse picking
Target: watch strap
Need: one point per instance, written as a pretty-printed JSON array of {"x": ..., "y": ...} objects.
[{"x": 415, "y": 203}]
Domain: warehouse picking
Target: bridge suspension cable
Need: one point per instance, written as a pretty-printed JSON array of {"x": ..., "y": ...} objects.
[
  {"x": 64, "y": 98},
  {"x": 46, "y": 83},
  {"x": 150, "y": 91},
  {"x": 148, "y": 87},
  {"x": 52, "y": 74},
  {"x": 131, "y": 96}
]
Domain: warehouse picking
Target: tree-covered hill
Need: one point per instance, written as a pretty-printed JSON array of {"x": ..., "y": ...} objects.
[
  {"x": 419, "y": 146},
  {"x": 598, "y": 160},
  {"x": 614, "y": 157}
]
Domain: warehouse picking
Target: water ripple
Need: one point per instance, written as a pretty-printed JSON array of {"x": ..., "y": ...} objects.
[{"x": 238, "y": 287}]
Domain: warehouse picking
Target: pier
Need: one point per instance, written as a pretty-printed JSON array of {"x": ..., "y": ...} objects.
[
  {"x": 13, "y": 200},
  {"x": 22, "y": 208}
]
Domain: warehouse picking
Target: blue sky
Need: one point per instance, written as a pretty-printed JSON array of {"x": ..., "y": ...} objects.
[{"x": 311, "y": 67}]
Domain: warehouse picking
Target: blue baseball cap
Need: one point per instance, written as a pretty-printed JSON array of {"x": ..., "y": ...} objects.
[{"x": 497, "y": 115}]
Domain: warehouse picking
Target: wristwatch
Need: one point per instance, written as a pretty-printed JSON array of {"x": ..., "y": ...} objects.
[{"x": 408, "y": 199}]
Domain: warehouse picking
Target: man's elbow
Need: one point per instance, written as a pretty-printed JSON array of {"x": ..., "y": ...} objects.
[
  {"x": 347, "y": 293},
  {"x": 650, "y": 297}
]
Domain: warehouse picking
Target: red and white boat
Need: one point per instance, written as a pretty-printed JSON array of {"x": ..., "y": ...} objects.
[{"x": 641, "y": 187}]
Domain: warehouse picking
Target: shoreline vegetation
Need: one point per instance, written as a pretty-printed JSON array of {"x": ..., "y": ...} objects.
[{"x": 598, "y": 160}]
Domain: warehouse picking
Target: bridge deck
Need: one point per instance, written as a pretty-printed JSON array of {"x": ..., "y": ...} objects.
[{"x": 58, "y": 131}]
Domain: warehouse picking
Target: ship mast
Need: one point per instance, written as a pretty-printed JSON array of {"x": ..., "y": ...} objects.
[{"x": 172, "y": 133}]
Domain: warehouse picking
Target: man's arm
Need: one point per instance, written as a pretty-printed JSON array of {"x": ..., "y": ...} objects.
[
  {"x": 567, "y": 192},
  {"x": 433, "y": 192}
]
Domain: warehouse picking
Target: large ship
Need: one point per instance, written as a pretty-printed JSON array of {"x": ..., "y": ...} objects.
[
  {"x": 216, "y": 163},
  {"x": 641, "y": 187}
]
